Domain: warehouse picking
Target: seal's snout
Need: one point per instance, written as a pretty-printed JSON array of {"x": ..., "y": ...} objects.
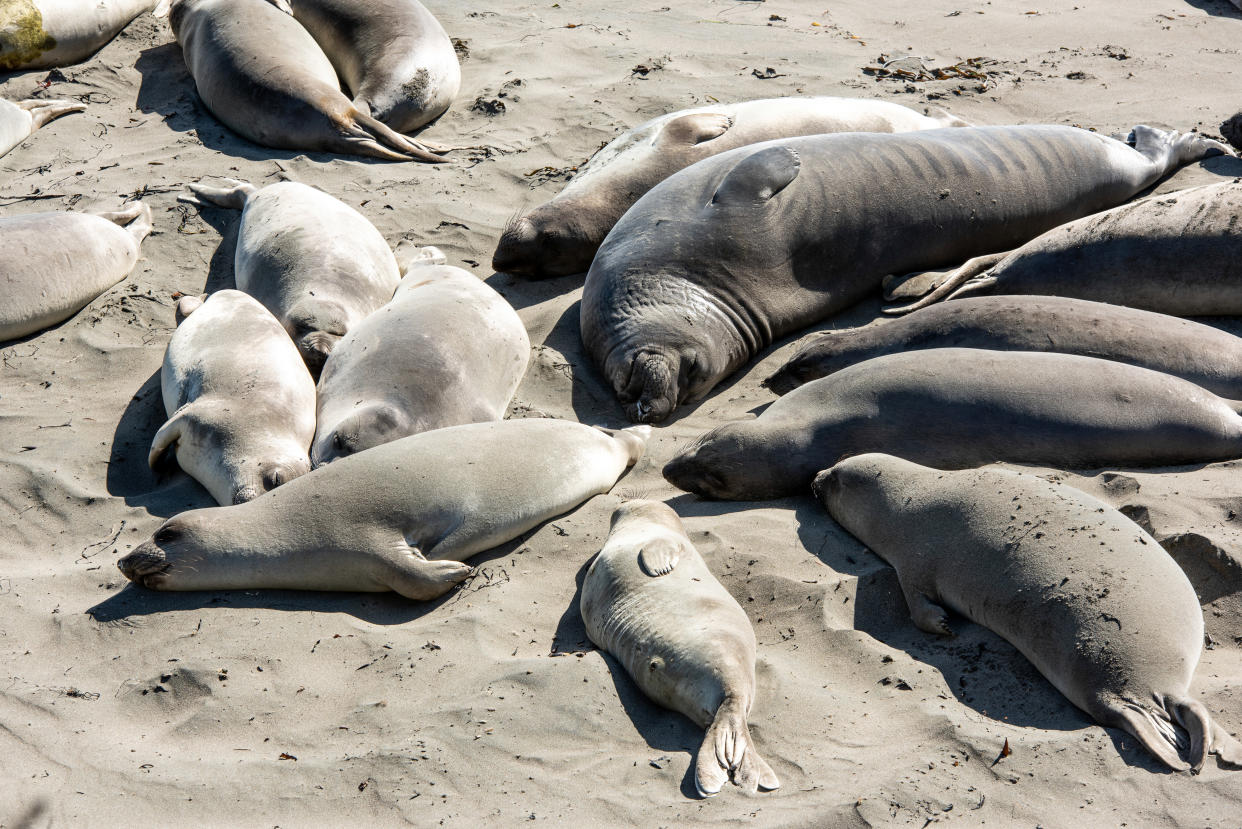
[
  {"x": 826, "y": 485},
  {"x": 651, "y": 393},
  {"x": 787, "y": 378},
  {"x": 517, "y": 252},
  {"x": 315, "y": 348},
  {"x": 145, "y": 565}
]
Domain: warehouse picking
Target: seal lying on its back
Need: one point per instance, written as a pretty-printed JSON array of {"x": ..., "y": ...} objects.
[
  {"x": 41, "y": 34},
  {"x": 446, "y": 350},
  {"x": 240, "y": 402},
  {"x": 959, "y": 407},
  {"x": 54, "y": 264},
  {"x": 394, "y": 56},
  {"x": 401, "y": 516},
  {"x": 1179, "y": 253},
  {"x": 1205, "y": 356},
  {"x": 723, "y": 257},
  {"x": 316, "y": 263},
  {"x": 18, "y": 119},
  {"x": 266, "y": 79},
  {"x": 1091, "y": 599},
  {"x": 650, "y": 601},
  {"x": 561, "y": 236}
]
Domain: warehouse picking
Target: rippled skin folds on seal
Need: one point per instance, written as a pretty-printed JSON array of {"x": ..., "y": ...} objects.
[
  {"x": 401, "y": 516},
  {"x": 54, "y": 264},
  {"x": 561, "y": 236},
  {"x": 721, "y": 258},
  {"x": 1090, "y": 599},
  {"x": 1204, "y": 355},
  {"x": 650, "y": 601},
  {"x": 18, "y": 119},
  {"x": 960, "y": 407},
  {"x": 41, "y": 34}
]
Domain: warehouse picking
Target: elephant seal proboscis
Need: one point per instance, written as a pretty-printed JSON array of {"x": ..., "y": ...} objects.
[
  {"x": 446, "y": 350},
  {"x": 959, "y": 407},
  {"x": 54, "y": 264},
  {"x": 401, "y": 516},
  {"x": 316, "y": 263},
  {"x": 650, "y": 601},
  {"x": 561, "y": 236},
  {"x": 18, "y": 119},
  {"x": 266, "y": 79},
  {"x": 240, "y": 402},
  {"x": 1083, "y": 592},
  {"x": 719, "y": 259},
  {"x": 42, "y": 34},
  {"x": 1179, "y": 253},
  {"x": 1204, "y": 355},
  {"x": 394, "y": 56}
]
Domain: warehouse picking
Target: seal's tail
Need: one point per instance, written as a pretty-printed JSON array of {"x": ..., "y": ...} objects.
[
  {"x": 728, "y": 752},
  {"x": 954, "y": 283},
  {"x": 1157, "y": 727},
  {"x": 233, "y": 197}
]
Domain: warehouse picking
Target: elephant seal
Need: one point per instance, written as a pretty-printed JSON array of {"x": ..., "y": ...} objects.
[
  {"x": 719, "y": 259},
  {"x": 18, "y": 119},
  {"x": 650, "y": 601},
  {"x": 316, "y": 263},
  {"x": 1179, "y": 253},
  {"x": 1205, "y": 356},
  {"x": 1232, "y": 130},
  {"x": 266, "y": 79},
  {"x": 393, "y": 55},
  {"x": 54, "y": 264},
  {"x": 42, "y": 34},
  {"x": 240, "y": 402},
  {"x": 1090, "y": 599},
  {"x": 561, "y": 236},
  {"x": 400, "y": 517},
  {"x": 959, "y": 407},
  {"x": 446, "y": 350}
]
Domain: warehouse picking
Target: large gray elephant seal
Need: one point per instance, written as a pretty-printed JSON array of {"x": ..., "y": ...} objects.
[
  {"x": 316, "y": 263},
  {"x": 561, "y": 236},
  {"x": 266, "y": 79},
  {"x": 393, "y": 55},
  {"x": 18, "y": 119},
  {"x": 41, "y": 34},
  {"x": 1090, "y": 599},
  {"x": 959, "y": 407},
  {"x": 240, "y": 402},
  {"x": 650, "y": 601},
  {"x": 54, "y": 264},
  {"x": 1204, "y": 355},
  {"x": 719, "y": 259},
  {"x": 401, "y": 516},
  {"x": 446, "y": 350},
  {"x": 1179, "y": 253}
]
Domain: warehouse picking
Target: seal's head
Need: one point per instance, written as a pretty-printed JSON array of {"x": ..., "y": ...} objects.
[
  {"x": 721, "y": 464},
  {"x": 1232, "y": 130},
  {"x": 269, "y": 474},
  {"x": 363, "y": 428},
  {"x": 316, "y": 326},
  {"x": 550, "y": 240},
  {"x": 170, "y": 559}
]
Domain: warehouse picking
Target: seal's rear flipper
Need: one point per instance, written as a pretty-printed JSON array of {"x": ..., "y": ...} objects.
[
  {"x": 728, "y": 752},
  {"x": 164, "y": 444},
  {"x": 367, "y": 136},
  {"x": 188, "y": 304},
  {"x": 233, "y": 197},
  {"x": 410, "y": 255},
  {"x": 1152, "y": 728},
  {"x": 417, "y": 577},
  {"x": 43, "y": 111},
  {"x": 970, "y": 272},
  {"x": 162, "y": 8},
  {"x": 633, "y": 438},
  {"x": 946, "y": 119},
  {"x": 1206, "y": 737},
  {"x": 1169, "y": 150}
]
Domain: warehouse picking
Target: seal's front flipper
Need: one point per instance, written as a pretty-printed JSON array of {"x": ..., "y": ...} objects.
[
  {"x": 927, "y": 615},
  {"x": 728, "y": 752},
  {"x": 695, "y": 128},
  {"x": 758, "y": 177},
  {"x": 659, "y": 556},
  {"x": 416, "y": 577},
  {"x": 233, "y": 197},
  {"x": 43, "y": 111}
]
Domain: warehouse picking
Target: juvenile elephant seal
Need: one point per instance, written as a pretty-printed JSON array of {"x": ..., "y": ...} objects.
[
  {"x": 650, "y": 601},
  {"x": 400, "y": 517},
  {"x": 959, "y": 407},
  {"x": 393, "y": 55},
  {"x": 446, "y": 350},
  {"x": 561, "y": 236},
  {"x": 1090, "y": 599},
  {"x": 1205, "y": 356},
  {"x": 266, "y": 79},
  {"x": 41, "y": 34},
  {"x": 719, "y": 259},
  {"x": 1179, "y": 253},
  {"x": 18, "y": 119},
  {"x": 1232, "y": 130},
  {"x": 54, "y": 264},
  {"x": 316, "y": 263},
  {"x": 240, "y": 402}
]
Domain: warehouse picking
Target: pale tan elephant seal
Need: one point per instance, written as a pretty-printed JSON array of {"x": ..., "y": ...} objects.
[
  {"x": 446, "y": 350},
  {"x": 41, "y": 34},
  {"x": 18, "y": 119},
  {"x": 240, "y": 402},
  {"x": 316, "y": 263},
  {"x": 54, "y": 264},
  {"x": 1082, "y": 591},
  {"x": 401, "y": 516},
  {"x": 650, "y": 601}
]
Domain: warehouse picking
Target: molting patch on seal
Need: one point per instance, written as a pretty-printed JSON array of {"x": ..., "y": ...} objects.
[
  {"x": 415, "y": 89},
  {"x": 22, "y": 36}
]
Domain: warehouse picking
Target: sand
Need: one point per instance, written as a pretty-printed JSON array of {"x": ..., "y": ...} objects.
[{"x": 121, "y": 706}]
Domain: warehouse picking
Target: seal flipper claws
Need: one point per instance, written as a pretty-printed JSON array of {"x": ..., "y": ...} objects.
[
  {"x": 416, "y": 577},
  {"x": 728, "y": 752},
  {"x": 927, "y": 615},
  {"x": 659, "y": 556},
  {"x": 1142, "y": 723}
]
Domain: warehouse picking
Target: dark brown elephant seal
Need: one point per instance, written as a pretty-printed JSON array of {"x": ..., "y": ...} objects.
[
  {"x": 1204, "y": 355},
  {"x": 960, "y": 407},
  {"x": 1090, "y": 599},
  {"x": 1232, "y": 130},
  {"x": 719, "y": 259}
]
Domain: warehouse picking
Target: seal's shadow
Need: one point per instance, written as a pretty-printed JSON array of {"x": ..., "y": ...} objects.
[
  {"x": 1219, "y": 8},
  {"x": 227, "y": 223}
]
